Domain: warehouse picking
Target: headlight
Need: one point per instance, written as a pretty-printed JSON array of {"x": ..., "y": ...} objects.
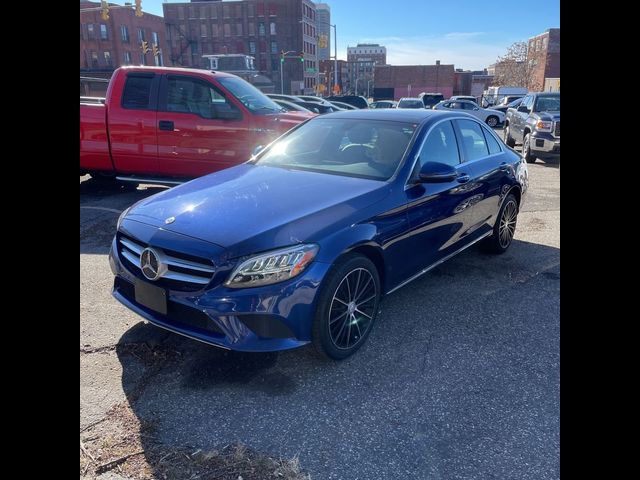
[
  {"x": 272, "y": 267},
  {"x": 543, "y": 126},
  {"x": 122, "y": 215}
]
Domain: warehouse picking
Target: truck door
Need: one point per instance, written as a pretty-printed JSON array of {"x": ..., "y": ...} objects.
[
  {"x": 200, "y": 130},
  {"x": 131, "y": 119}
]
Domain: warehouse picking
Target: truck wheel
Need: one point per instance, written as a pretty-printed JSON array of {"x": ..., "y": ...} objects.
[
  {"x": 526, "y": 149},
  {"x": 492, "y": 121},
  {"x": 508, "y": 139}
]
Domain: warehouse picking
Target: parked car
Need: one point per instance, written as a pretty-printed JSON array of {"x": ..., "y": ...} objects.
[
  {"x": 300, "y": 244},
  {"x": 320, "y": 108},
  {"x": 288, "y": 98},
  {"x": 165, "y": 125},
  {"x": 384, "y": 104},
  {"x": 310, "y": 98},
  {"x": 410, "y": 102},
  {"x": 290, "y": 106},
  {"x": 508, "y": 99},
  {"x": 536, "y": 124},
  {"x": 355, "y": 100},
  {"x": 430, "y": 99},
  {"x": 504, "y": 108},
  {"x": 344, "y": 106},
  {"x": 490, "y": 117},
  {"x": 465, "y": 97}
]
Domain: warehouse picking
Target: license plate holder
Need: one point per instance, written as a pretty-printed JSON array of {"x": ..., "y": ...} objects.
[{"x": 151, "y": 297}]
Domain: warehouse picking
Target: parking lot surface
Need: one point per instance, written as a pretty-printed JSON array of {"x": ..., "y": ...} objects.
[{"x": 458, "y": 380}]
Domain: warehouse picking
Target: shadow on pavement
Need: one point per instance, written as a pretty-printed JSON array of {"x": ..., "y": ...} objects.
[{"x": 459, "y": 379}]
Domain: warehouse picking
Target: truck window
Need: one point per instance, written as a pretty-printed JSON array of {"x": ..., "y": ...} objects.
[
  {"x": 190, "y": 95},
  {"x": 137, "y": 92}
]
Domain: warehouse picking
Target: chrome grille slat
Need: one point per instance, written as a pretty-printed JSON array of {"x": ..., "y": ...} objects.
[
  {"x": 202, "y": 272},
  {"x": 556, "y": 129}
]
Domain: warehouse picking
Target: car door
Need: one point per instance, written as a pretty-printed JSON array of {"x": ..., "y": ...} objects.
[
  {"x": 438, "y": 213},
  {"x": 469, "y": 107},
  {"x": 200, "y": 130},
  {"x": 487, "y": 162}
]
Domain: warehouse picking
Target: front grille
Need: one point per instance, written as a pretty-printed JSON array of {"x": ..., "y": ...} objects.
[
  {"x": 177, "y": 314},
  {"x": 556, "y": 131},
  {"x": 184, "y": 272}
]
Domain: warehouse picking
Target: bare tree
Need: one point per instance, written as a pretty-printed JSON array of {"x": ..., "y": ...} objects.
[{"x": 517, "y": 67}]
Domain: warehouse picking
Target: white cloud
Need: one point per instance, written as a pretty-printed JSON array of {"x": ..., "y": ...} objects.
[{"x": 467, "y": 50}]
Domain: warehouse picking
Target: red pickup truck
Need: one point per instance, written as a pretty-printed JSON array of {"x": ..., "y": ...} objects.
[{"x": 169, "y": 124}]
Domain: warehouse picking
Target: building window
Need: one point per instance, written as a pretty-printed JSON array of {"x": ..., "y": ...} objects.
[
  {"x": 252, "y": 11},
  {"x": 104, "y": 33},
  {"x": 239, "y": 29},
  {"x": 127, "y": 58},
  {"x": 214, "y": 11},
  {"x": 225, "y": 11},
  {"x": 252, "y": 28},
  {"x": 239, "y": 10},
  {"x": 140, "y": 35},
  {"x": 91, "y": 33},
  {"x": 272, "y": 28},
  {"x": 214, "y": 30},
  {"x": 181, "y": 13},
  {"x": 124, "y": 33},
  {"x": 227, "y": 30},
  {"x": 94, "y": 60},
  {"x": 107, "y": 59},
  {"x": 155, "y": 39},
  {"x": 252, "y": 47},
  {"x": 261, "y": 28},
  {"x": 273, "y": 9},
  {"x": 143, "y": 59},
  {"x": 203, "y": 12},
  {"x": 274, "y": 47},
  {"x": 203, "y": 30}
]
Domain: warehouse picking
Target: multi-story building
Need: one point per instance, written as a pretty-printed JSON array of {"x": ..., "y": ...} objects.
[
  {"x": 262, "y": 29},
  {"x": 397, "y": 81},
  {"x": 362, "y": 60},
  {"x": 107, "y": 44},
  {"x": 323, "y": 15},
  {"x": 327, "y": 77},
  {"x": 543, "y": 53}
]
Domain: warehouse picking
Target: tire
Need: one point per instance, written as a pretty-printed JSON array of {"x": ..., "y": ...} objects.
[
  {"x": 342, "y": 325},
  {"x": 492, "y": 121},
  {"x": 508, "y": 139},
  {"x": 526, "y": 149},
  {"x": 504, "y": 228}
]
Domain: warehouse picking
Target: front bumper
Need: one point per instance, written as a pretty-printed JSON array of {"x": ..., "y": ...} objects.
[
  {"x": 545, "y": 145},
  {"x": 262, "y": 319}
]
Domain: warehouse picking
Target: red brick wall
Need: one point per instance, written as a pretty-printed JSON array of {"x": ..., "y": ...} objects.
[{"x": 422, "y": 78}]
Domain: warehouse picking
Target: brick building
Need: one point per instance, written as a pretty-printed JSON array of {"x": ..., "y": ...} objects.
[
  {"x": 411, "y": 80},
  {"x": 260, "y": 28},
  {"x": 362, "y": 60},
  {"x": 544, "y": 51},
  {"x": 107, "y": 44}
]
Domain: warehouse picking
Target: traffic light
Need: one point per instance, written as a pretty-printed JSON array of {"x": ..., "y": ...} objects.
[
  {"x": 104, "y": 9},
  {"x": 156, "y": 50},
  {"x": 282, "y": 56},
  {"x": 138, "y": 8},
  {"x": 302, "y": 56},
  {"x": 145, "y": 47}
]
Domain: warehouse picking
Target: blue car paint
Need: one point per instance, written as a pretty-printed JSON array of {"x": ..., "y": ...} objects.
[{"x": 249, "y": 209}]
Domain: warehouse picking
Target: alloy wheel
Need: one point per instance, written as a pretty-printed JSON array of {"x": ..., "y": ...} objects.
[
  {"x": 352, "y": 308},
  {"x": 508, "y": 224},
  {"x": 492, "y": 121}
]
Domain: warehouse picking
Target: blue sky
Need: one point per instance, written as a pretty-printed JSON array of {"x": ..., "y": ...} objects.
[{"x": 468, "y": 33}]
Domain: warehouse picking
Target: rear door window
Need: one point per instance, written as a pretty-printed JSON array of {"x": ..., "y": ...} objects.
[{"x": 473, "y": 142}]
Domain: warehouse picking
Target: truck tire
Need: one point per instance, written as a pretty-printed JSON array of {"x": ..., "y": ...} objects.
[
  {"x": 526, "y": 149},
  {"x": 508, "y": 139}
]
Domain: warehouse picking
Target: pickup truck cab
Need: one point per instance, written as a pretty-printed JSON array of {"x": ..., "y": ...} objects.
[
  {"x": 165, "y": 125},
  {"x": 536, "y": 124}
]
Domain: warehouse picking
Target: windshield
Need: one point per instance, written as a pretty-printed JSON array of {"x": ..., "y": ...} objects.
[
  {"x": 410, "y": 104},
  {"x": 350, "y": 147},
  {"x": 250, "y": 96},
  {"x": 548, "y": 104}
]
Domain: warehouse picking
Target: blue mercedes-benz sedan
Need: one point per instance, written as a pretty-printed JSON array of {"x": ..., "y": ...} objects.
[{"x": 300, "y": 243}]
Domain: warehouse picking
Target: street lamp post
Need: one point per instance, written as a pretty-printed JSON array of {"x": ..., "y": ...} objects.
[
  {"x": 368, "y": 83},
  {"x": 335, "y": 51},
  {"x": 282, "y": 70},
  {"x": 357, "y": 80}
]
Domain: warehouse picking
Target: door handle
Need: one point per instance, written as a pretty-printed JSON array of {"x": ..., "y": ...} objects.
[
  {"x": 463, "y": 178},
  {"x": 504, "y": 167},
  {"x": 165, "y": 125}
]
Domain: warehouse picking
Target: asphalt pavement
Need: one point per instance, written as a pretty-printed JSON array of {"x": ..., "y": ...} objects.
[{"x": 459, "y": 378}]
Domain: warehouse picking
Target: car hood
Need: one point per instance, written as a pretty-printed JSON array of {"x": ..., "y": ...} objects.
[
  {"x": 252, "y": 208},
  {"x": 549, "y": 116}
]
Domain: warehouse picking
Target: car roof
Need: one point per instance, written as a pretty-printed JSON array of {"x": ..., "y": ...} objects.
[
  {"x": 411, "y": 98},
  {"x": 409, "y": 115}
]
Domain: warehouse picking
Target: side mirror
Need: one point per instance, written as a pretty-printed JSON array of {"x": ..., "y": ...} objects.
[
  {"x": 436, "y": 172},
  {"x": 523, "y": 109},
  {"x": 257, "y": 150}
]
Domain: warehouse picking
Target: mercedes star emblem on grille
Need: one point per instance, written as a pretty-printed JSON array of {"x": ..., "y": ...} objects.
[{"x": 150, "y": 264}]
